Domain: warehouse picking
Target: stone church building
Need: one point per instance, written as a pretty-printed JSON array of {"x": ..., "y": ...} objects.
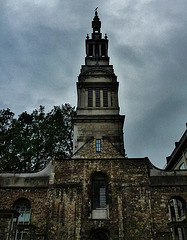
[{"x": 97, "y": 194}]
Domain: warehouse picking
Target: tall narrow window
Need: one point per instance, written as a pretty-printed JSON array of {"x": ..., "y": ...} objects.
[
  {"x": 97, "y": 97},
  {"x": 105, "y": 97},
  {"x": 98, "y": 145},
  {"x": 90, "y": 97},
  {"x": 103, "y": 50},
  {"x": 97, "y": 50},
  {"x": 99, "y": 191},
  {"x": 111, "y": 101},
  {"x": 90, "y": 49}
]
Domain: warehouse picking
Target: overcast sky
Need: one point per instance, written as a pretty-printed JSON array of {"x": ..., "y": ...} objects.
[{"x": 42, "y": 49}]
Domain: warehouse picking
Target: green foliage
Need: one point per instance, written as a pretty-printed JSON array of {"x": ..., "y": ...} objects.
[{"x": 29, "y": 141}]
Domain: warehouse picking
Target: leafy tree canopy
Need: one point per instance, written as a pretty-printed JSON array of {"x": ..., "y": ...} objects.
[{"x": 29, "y": 141}]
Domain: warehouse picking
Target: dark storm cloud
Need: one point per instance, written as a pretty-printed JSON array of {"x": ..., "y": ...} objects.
[
  {"x": 41, "y": 59},
  {"x": 150, "y": 55},
  {"x": 42, "y": 48}
]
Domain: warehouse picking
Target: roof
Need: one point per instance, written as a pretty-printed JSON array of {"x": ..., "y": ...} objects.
[{"x": 175, "y": 156}]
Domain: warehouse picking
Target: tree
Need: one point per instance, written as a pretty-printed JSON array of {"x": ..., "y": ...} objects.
[{"x": 29, "y": 141}]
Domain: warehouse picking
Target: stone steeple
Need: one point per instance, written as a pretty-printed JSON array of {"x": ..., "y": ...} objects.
[{"x": 97, "y": 89}]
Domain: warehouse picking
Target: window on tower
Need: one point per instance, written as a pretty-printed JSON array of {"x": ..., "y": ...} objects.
[
  {"x": 97, "y": 97},
  {"x": 98, "y": 145},
  {"x": 103, "y": 49},
  {"x": 97, "y": 50},
  {"x": 90, "y": 49},
  {"x": 90, "y": 97},
  {"x": 105, "y": 97},
  {"x": 96, "y": 29}
]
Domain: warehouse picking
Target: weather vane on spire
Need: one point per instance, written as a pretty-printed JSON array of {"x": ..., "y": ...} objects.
[{"x": 96, "y": 11}]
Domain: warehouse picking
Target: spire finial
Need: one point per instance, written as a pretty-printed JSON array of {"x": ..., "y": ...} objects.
[{"x": 96, "y": 11}]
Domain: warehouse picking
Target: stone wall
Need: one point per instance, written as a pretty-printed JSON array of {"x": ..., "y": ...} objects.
[
  {"x": 137, "y": 205},
  {"x": 89, "y": 150},
  {"x": 160, "y": 197},
  {"x": 39, "y": 204},
  {"x": 128, "y": 197}
]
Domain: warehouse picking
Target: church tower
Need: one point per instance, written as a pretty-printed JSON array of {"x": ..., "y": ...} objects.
[{"x": 98, "y": 119}]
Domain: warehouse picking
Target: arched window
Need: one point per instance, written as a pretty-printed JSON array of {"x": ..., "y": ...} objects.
[
  {"x": 23, "y": 206},
  {"x": 177, "y": 212},
  {"x": 176, "y": 208}
]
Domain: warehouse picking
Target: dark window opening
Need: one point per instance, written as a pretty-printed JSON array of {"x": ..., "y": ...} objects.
[
  {"x": 105, "y": 98},
  {"x": 103, "y": 50},
  {"x": 90, "y": 98},
  {"x": 99, "y": 191},
  {"x": 111, "y": 101},
  {"x": 97, "y": 50},
  {"x": 90, "y": 49},
  {"x": 180, "y": 233},
  {"x": 96, "y": 29},
  {"x": 100, "y": 236},
  {"x": 184, "y": 232},
  {"x": 98, "y": 145},
  {"x": 97, "y": 97}
]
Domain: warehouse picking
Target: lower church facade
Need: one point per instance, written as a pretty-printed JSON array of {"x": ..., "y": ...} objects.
[{"x": 97, "y": 194}]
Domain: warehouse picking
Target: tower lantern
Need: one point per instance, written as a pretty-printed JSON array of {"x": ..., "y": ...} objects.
[
  {"x": 96, "y": 25},
  {"x": 97, "y": 47}
]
